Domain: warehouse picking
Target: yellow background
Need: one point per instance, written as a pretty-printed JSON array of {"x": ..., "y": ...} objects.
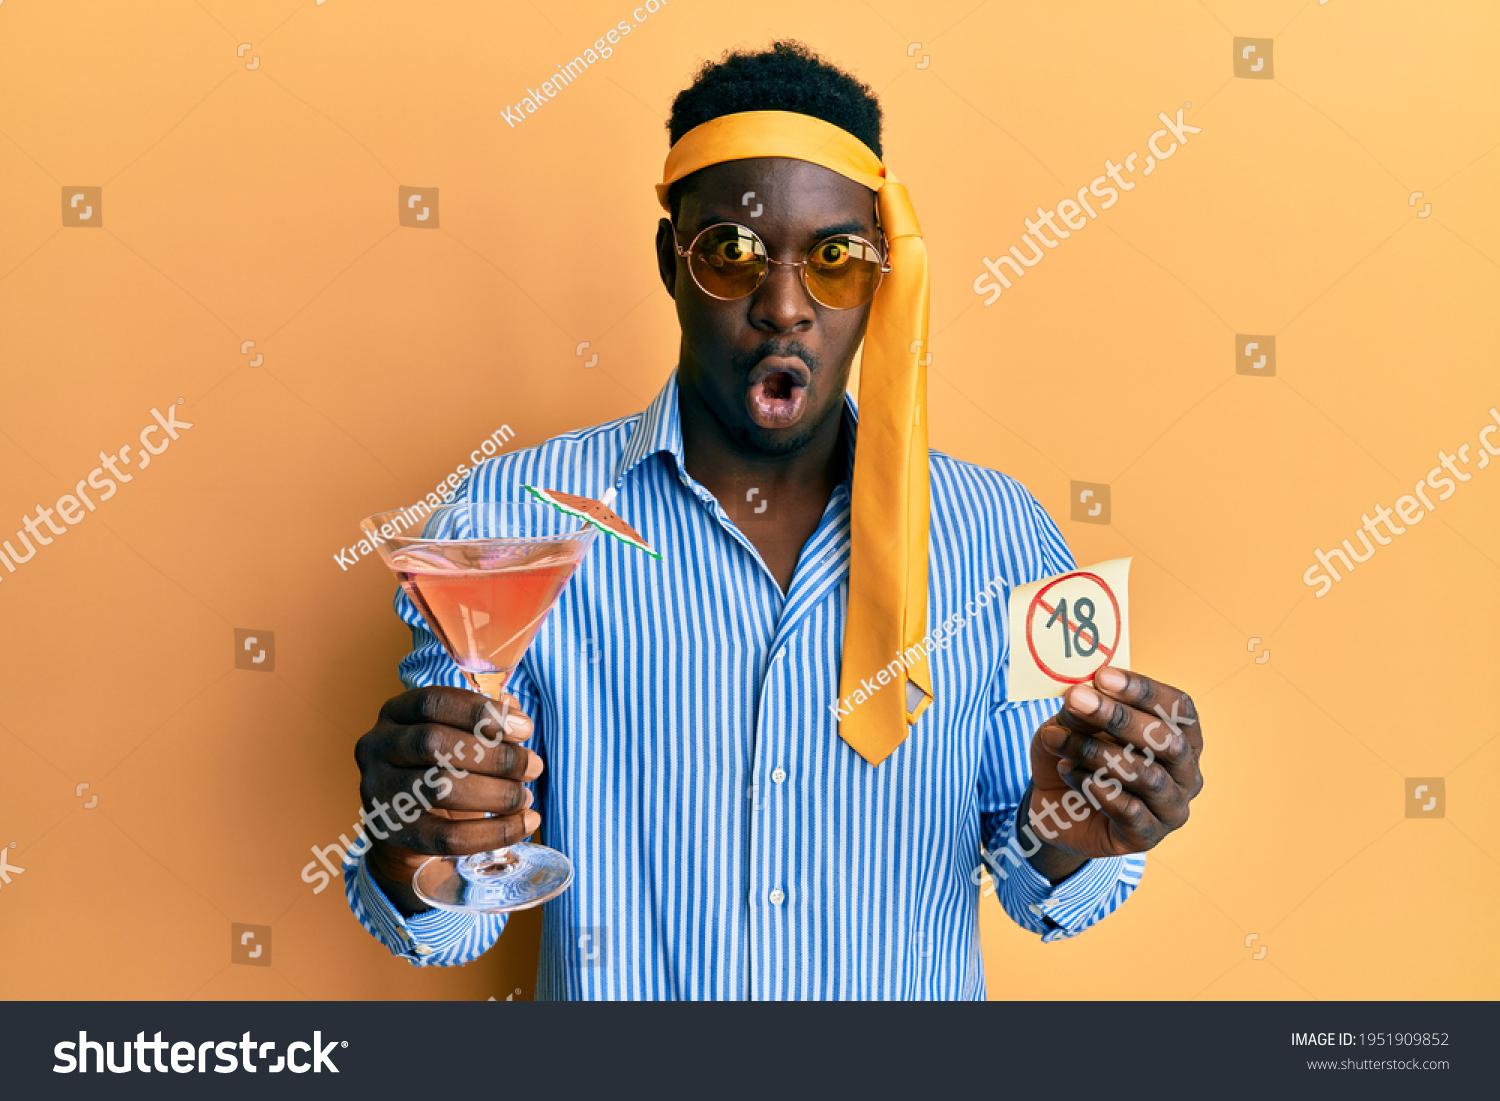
[{"x": 261, "y": 204}]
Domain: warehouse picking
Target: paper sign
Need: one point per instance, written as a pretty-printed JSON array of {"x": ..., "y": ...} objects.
[{"x": 1064, "y": 629}]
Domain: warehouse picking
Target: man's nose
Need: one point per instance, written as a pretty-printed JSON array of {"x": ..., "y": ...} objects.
[{"x": 781, "y": 301}]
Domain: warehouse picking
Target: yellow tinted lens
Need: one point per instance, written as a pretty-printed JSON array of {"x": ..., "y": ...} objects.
[
  {"x": 728, "y": 261},
  {"x": 843, "y": 272}
]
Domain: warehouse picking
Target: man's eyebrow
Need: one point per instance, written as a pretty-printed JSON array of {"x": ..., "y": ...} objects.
[
  {"x": 852, "y": 226},
  {"x": 711, "y": 218}
]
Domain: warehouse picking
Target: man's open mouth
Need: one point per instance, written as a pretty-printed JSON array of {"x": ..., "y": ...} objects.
[{"x": 777, "y": 395}]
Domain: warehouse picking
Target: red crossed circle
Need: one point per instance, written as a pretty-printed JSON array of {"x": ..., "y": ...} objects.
[{"x": 1106, "y": 650}]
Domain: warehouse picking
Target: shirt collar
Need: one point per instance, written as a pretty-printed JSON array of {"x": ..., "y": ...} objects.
[{"x": 660, "y": 430}]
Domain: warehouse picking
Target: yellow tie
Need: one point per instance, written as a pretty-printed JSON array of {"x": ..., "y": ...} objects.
[{"x": 883, "y": 634}]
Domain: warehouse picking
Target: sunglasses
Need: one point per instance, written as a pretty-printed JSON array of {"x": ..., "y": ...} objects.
[{"x": 730, "y": 261}]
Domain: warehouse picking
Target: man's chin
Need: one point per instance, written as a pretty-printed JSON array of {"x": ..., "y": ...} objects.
[
  {"x": 776, "y": 442},
  {"x": 786, "y": 440}
]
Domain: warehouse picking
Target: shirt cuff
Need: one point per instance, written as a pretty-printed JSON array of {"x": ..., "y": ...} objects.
[
  {"x": 434, "y": 938},
  {"x": 1089, "y": 895}
]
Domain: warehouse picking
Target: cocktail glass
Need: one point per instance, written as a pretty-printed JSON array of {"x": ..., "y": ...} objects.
[{"x": 484, "y": 576}]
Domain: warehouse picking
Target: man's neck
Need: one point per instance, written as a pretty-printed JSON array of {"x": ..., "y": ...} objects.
[{"x": 790, "y": 492}]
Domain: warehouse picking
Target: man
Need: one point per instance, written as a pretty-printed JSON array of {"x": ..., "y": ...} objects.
[{"x": 740, "y": 829}]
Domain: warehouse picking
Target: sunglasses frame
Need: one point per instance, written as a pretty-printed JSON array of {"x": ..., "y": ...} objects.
[{"x": 687, "y": 254}]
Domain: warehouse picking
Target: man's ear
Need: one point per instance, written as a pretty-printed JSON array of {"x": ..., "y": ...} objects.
[{"x": 666, "y": 256}]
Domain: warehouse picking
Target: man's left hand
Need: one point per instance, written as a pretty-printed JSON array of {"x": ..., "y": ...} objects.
[{"x": 1114, "y": 770}]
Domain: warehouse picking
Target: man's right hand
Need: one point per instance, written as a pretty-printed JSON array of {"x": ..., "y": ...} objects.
[{"x": 421, "y": 747}]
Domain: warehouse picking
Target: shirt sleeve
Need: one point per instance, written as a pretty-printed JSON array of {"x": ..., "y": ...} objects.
[
  {"x": 1100, "y": 886},
  {"x": 435, "y": 938}
]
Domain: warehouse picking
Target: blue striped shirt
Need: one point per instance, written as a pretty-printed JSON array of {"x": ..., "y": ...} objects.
[{"x": 728, "y": 843}]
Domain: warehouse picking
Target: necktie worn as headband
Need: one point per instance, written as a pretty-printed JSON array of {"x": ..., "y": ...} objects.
[{"x": 889, "y": 512}]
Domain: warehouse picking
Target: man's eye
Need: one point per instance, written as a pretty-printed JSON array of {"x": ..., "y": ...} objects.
[
  {"x": 732, "y": 252},
  {"x": 833, "y": 254}
]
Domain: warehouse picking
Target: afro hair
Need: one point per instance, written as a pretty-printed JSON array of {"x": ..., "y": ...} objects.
[{"x": 785, "y": 77}]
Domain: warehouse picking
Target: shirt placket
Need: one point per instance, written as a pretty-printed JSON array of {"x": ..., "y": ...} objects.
[
  {"x": 782, "y": 724},
  {"x": 770, "y": 886},
  {"x": 755, "y": 838}
]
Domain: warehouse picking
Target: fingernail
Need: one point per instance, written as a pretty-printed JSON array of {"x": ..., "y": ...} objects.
[
  {"x": 531, "y": 821},
  {"x": 1111, "y": 679},
  {"x": 533, "y": 768},
  {"x": 1085, "y": 700},
  {"x": 530, "y": 798},
  {"x": 504, "y": 715}
]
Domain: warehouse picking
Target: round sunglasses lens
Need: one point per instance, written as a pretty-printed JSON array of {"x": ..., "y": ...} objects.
[
  {"x": 843, "y": 272},
  {"x": 728, "y": 261}
]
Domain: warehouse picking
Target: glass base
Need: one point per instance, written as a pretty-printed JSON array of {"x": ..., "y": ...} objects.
[{"x": 499, "y": 882}]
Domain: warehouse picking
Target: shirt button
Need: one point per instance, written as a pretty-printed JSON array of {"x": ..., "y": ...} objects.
[
  {"x": 779, "y": 775},
  {"x": 777, "y": 656},
  {"x": 778, "y": 896},
  {"x": 422, "y": 950}
]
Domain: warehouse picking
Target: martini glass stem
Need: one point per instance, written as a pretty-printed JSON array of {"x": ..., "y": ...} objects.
[{"x": 499, "y": 861}]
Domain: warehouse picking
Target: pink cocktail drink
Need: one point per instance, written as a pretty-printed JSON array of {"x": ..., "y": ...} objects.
[{"x": 486, "y": 612}]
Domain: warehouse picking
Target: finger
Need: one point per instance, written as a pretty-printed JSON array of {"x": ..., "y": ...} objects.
[
  {"x": 503, "y": 721},
  {"x": 1145, "y": 694},
  {"x": 1132, "y": 825},
  {"x": 460, "y": 708},
  {"x": 465, "y": 793},
  {"x": 434, "y": 836},
  {"x": 1087, "y": 711},
  {"x": 1096, "y": 759},
  {"x": 444, "y": 746}
]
